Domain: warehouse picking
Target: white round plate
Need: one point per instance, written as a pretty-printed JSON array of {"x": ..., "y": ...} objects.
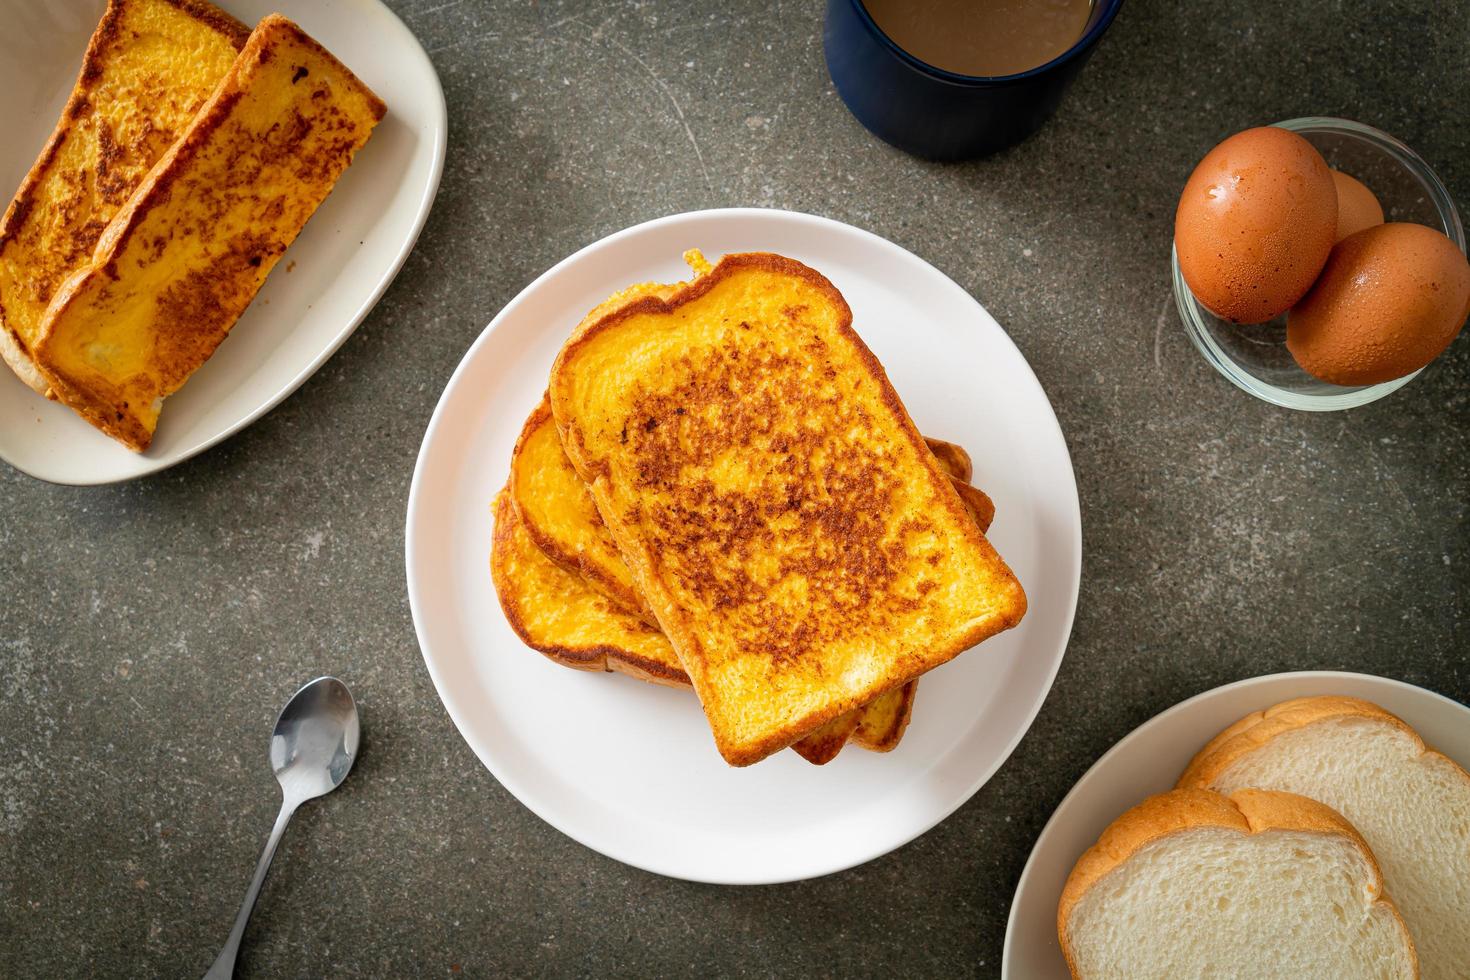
[
  {"x": 1150, "y": 760},
  {"x": 629, "y": 768},
  {"x": 329, "y": 279}
]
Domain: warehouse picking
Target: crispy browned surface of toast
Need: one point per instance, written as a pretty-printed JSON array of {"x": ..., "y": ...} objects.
[
  {"x": 148, "y": 68},
  {"x": 553, "y": 614},
  {"x": 795, "y": 538},
  {"x": 186, "y": 255},
  {"x": 955, "y": 460},
  {"x": 559, "y": 513},
  {"x": 886, "y": 718},
  {"x": 823, "y": 745}
]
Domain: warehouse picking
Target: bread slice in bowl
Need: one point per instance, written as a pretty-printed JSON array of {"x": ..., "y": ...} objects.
[
  {"x": 1410, "y": 803},
  {"x": 1191, "y": 883}
]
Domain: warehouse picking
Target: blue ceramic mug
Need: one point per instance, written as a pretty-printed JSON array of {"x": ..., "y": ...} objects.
[{"x": 938, "y": 114}]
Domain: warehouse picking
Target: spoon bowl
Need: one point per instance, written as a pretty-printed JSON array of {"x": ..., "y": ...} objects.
[{"x": 315, "y": 740}]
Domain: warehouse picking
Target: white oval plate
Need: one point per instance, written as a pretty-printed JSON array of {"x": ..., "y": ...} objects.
[
  {"x": 630, "y": 769},
  {"x": 1151, "y": 759},
  {"x": 329, "y": 279}
]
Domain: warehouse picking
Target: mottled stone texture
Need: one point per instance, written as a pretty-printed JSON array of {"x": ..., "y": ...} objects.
[{"x": 150, "y": 631}]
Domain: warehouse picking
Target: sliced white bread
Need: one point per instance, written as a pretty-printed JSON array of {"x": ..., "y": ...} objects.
[
  {"x": 1191, "y": 883},
  {"x": 1411, "y": 804}
]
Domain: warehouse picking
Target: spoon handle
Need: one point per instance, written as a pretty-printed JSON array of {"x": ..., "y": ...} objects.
[{"x": 224, "y": 966}]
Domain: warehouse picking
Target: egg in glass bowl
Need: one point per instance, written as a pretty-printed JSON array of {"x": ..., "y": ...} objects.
[{"x": 1254, "y": 356}]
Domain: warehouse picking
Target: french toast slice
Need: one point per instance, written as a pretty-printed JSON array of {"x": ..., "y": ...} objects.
[
  {"x": 557, "y": 613},
  {"x": 556, "y": 512},
  {"x": 798, "y": 543},
  {"x": 560, "y": 515},
  {"x": 554, "y": 612},
  {"x": 185, "y": 256},
  {"x": 148, "y": 68}
]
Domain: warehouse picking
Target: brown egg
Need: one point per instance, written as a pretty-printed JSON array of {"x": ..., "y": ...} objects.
[
  {"x": 1255, "y": 223},
  {"x": 1389, "y": 301},
  {"x": 1357, "y": 207}
]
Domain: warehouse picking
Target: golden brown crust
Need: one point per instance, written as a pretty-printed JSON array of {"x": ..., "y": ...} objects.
[
  {"x": 208, "y": 13},
  {"x": 977, "y": 502},
  {"x": 1258, "y": 728},
  {"x": 114, "y": 163},
  {"x": 641, "y": 561},
  {"x": 886, "y": 718},
  {"x": 202, "y": 299},
  {"x": 506, "y": 554},
  {"x": 953, "y": 458},
  {"x": 823, "y": 745},
  {"x": 1249, "y": 811}
]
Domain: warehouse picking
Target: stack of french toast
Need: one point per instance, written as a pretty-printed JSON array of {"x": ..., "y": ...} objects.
[
  {"x": 721, "y": 490},
  {"x": 190, "y": 154}
]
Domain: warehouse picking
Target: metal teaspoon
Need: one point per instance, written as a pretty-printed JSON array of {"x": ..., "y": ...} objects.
[{"x": 312, "y": 750}]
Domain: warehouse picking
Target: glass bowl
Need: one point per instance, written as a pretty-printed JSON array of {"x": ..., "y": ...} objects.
[{"x": 1254, "y": 356}]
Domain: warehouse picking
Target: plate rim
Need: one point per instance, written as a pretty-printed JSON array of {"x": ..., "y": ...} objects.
[
  {"x": 1179, "y": 707},
  {"x": 450, "y": 700},
  {"x": 439, "y": 128}
]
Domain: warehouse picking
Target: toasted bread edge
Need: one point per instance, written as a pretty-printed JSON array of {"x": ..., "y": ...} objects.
[
  {"x": 676, "y": 626},
  {"x": 592, "y": 571},
  {"x": 13, "y": 348},
  {"x": 97, "y": 407},
  {"x": 603, "y": 659}
]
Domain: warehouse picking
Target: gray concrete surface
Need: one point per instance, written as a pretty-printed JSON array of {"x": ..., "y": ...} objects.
[{"x": 148, "y": 632}]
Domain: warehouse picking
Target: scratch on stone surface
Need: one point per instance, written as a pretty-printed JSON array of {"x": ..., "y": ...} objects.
[
  {"x": 472, "y": 39},
  {"x": 1159, "y": 325},
  {"x": 440, "y": 7},
  {"x": 1387, "y": 474},
  {"x": 678, "y": 110},
  {"x": 565, "y": 20}
]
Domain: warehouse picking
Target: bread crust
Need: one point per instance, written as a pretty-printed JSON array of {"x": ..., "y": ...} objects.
[
  {"x": 824, "y": 744},
  {"x": 1259, "y": 727},
  {"x": 511, "y": 549},
  {"x": 676, "y": 621},
  {"x": 953, "y": 458},
  {"x": 595, "y": 657},
  {"x": 100, "y": 400},
  {"x": 14, "y": 349},
  {"x": 1249, "y": 811},
  {"x": 878, "y": 732}
]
